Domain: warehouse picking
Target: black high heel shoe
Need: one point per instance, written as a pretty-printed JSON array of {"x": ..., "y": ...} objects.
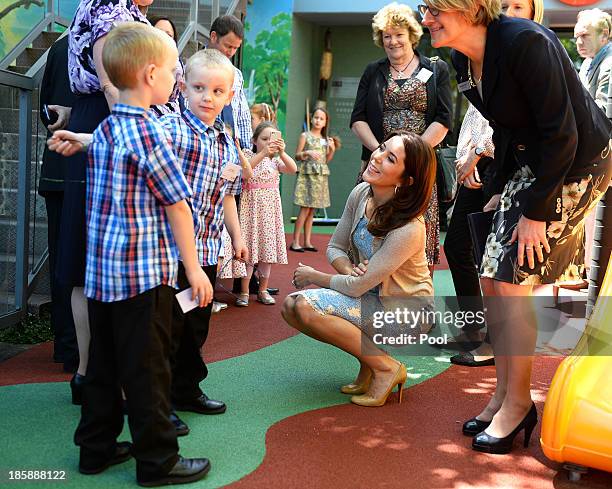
[
  {"x": 483, "y": 442},
  {"x": 76, "y": 386},
  {"x": 474, "y": 426}
]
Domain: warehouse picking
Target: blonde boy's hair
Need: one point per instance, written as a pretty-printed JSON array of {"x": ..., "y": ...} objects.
[
  {"x": 476, "y": 12},
  {"x": 209, "y": 58},
  {"x": 130, "y": 47},
  {"x": 396, "y": 15},
  {"x": 600, "y": 20}
]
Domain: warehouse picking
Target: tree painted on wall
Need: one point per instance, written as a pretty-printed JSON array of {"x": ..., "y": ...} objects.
[{"x": 266, "y": 65}]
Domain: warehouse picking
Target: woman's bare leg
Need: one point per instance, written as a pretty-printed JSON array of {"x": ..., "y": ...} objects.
[
  {"x": 81, "y": 323},
  {"x": 344, "y": 335},
  {"x": 513, "y": 334}
]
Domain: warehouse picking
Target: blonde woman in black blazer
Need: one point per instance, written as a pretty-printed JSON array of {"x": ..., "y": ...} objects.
[{"x": 553, "y": 164}]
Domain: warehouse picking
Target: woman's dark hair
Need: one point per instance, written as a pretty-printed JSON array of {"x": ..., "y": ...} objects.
[
  {"x": 225, "y": 24},
  {"x": 412, "y": 196},
  {"x": 155, "y": 20},
  {"x": 326, "y": 127},
  {"x": 259, "y": 129}
]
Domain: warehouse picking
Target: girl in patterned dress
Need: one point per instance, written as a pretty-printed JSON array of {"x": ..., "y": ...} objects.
[
  {"x": 315, "y": 150},
  {"x": 261, "y": 214}
]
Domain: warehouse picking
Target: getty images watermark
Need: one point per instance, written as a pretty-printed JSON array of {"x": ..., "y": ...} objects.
[
  {"x": 406, "y": 326},
  {"x": 414, "y": 325}
]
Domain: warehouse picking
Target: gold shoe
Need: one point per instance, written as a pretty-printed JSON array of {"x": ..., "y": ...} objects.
[
  {"x": 360, "y": 388},
  {"x": 399, "y": 379}
]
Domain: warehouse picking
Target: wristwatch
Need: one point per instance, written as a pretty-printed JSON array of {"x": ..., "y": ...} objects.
[{"x": 479, "y": 150}]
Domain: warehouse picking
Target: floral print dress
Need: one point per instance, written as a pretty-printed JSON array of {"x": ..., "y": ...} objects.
[
  {"x": 404, "y": 107},
  {"x": 356, "y": 310},
  {"x": 311, "y": 185}
]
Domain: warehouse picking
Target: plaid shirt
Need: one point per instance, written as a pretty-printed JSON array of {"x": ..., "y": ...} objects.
[
  {"x": 132, "y": 173},
  {"x": 204, "y": 151}
]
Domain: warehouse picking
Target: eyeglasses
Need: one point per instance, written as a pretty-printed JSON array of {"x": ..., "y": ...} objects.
[{"x": 424, "y": 8}]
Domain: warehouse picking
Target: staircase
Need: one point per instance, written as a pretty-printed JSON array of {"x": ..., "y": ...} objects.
[{"x": 9, "y": 167}]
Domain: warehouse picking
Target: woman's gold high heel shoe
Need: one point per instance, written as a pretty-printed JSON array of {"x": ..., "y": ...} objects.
[
  {"x": 399, "y": 379},
  {"x": 356, "y": 389}
]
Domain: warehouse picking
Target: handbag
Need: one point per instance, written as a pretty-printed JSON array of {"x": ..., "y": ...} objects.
[
  {"x": 479, "y": 224},
  {"x": 446, "y": 172}
]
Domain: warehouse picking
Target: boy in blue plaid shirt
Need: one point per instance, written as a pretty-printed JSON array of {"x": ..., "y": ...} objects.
[
  {"x": 209, "y": 157},
  {"x": 136, "y": 211}
]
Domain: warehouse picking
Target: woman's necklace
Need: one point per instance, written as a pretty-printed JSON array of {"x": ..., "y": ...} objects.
[
  {"x": 470, "y": 79},
  {"x": 401, "y": 72}
]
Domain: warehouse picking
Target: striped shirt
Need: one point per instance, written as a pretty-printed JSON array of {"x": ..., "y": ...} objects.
[
  {"x": 132, "y": 173},
  {"x": 242, "y": 114},
  {"x": 204, "y": 152}
]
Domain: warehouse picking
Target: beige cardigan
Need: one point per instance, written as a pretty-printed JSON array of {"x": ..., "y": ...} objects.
[{"x": 398, "y": 264}]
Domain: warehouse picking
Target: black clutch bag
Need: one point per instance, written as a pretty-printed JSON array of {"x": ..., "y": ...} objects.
[{"x": 480, "y": 225}]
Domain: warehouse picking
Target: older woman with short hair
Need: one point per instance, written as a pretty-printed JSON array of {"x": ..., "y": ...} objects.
[
  {"x": 552, "y": 144},
  {"x": 400, "y": 91}
]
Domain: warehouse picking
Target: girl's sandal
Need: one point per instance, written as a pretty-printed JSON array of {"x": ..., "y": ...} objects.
[
  {"x": 265, "y": 298},
  {"x": 242, "y": 300}
]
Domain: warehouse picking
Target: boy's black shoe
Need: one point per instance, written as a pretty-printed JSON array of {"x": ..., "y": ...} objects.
[
  {"x": 201, "y": 405},
  {"x": 181, "y": 427},
  {"x": 184, "y": 471},
  {"x": 123, "y": 452}
]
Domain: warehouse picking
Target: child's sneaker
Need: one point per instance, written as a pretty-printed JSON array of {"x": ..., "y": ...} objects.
[{"x": 218, "y": 306}]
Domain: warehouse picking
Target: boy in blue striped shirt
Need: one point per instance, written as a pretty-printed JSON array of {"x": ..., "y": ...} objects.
[{"x": 136, "y": 211}]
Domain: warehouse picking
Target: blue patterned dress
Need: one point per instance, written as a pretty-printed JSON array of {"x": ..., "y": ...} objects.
[{"x": 353, "y": 309}]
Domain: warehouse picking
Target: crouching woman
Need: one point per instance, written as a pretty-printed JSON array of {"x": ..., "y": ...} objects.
[{"x": 378, "y": 251}]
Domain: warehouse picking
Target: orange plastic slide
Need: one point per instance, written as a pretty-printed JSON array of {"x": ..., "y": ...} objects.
[{"x": 577, "y": 421}]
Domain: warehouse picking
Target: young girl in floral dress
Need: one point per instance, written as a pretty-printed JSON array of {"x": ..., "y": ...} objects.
[
  {"x": 261, "y": 214},
  {"x": 315, "y": 150}
]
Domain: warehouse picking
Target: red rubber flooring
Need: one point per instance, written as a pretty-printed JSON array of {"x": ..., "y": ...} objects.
[{"x": 415, "y": 445}]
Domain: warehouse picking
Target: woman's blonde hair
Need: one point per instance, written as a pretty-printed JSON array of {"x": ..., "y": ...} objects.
[
  {"x": 538, "y": 10},
  {"x": 476, "y": 12},
  {"x": 396, "y": 15}
]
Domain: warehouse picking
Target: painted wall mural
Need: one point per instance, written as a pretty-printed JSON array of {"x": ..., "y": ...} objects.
[{"x": 267, "y": 51}]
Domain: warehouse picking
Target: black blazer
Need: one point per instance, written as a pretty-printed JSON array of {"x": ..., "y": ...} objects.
[
  {"x": 370, "y": 94},
  {"x": 54, "y": 90},
  {"x": 540, "y": 113}
]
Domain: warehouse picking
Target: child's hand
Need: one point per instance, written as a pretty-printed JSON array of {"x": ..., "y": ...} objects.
[
  {"x": 331, "y": 146},
  {"x": 68, "y": 143},
  {"x": 315, "y": 155},
  {"x": 279, "y": 144},
  {"x": 241, "y": 252},
  {"x": 271, "y": 149},
  {"x": 202, "y": 289}
]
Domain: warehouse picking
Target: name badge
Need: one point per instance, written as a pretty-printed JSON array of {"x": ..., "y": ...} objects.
[
  {"x": 424, "y": 75},
  {"x": 230, "y": 172},
  {"x": 464, "y": 87}
]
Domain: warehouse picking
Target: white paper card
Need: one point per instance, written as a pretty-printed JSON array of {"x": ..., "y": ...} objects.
[
  {"x": 184, "y": 300},
  {"x": 424, "y": 75},
  {"x": 230, "y": 172}
]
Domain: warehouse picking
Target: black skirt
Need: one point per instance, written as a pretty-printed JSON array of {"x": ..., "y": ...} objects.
[{"x": 87, "y": 113}]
